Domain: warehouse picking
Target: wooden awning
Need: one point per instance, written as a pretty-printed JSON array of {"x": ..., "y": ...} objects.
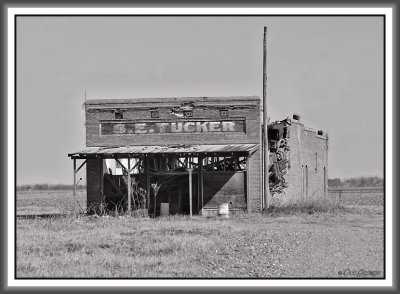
[{"x": 178, "y": 150}]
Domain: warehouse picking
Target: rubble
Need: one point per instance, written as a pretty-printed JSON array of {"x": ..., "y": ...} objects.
[{"x": 278, "y": 156}]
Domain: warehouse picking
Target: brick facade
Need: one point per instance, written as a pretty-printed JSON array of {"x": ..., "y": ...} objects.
[
  {"x": 211, "y": 120},
  {"x": 308, "y": 164},
  {"x": 245, "y": 109},
  {"x": 165, "y": 121}
]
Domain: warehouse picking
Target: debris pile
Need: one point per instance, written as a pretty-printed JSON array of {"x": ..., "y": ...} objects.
[{"x": 278, "y": 156}]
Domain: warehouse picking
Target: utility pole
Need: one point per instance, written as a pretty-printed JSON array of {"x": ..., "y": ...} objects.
[{"x": 265, "y": 148}]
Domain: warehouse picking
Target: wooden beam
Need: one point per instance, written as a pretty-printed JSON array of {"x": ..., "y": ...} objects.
[
  {"x": 193, "y": 163},
  {"x": 101, "y": 178},
  {"x": 83, "y": 163},
  {"x": 74, "y": 185},
  {"x": 200, "y": 185},
  {"x": 116, "y": 159},
  {"x": 182, "y": 163},
  {"x": 155, "y": 165},
  {"x": 247, "y": 183},
  {"x": 129, "y": 187},
  {"x": 147, "y": 177},
  {"x": 163, "y": 173},
  {"x": 137, "y": 164},
  {"x": 190, "y": 170}
]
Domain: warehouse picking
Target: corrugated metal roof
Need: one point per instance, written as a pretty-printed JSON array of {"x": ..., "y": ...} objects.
[{"x": 170, "y": 149}]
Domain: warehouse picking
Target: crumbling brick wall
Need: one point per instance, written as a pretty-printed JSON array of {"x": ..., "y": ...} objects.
[{"x": 308, "y": 164}]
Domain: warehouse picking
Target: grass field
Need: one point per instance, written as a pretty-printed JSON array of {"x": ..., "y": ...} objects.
[{"x": 346, "y": 243}]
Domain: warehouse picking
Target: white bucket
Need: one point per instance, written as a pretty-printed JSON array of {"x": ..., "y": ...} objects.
[
  {"x": 164, "y": 210},
  {"x": 223, "y": 210}
]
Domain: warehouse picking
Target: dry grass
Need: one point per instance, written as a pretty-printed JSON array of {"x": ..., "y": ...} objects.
[
  {"x": 313, "y": 240},
  {"x": 306, "y": 207}
]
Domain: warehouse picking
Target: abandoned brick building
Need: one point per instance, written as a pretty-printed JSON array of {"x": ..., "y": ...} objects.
[
  {"x": 298, "y": 160},
  {"x": 190, "y": 155}
]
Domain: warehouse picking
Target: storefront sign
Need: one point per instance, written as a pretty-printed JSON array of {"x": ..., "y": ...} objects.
[{"x": 171, "y": 127}]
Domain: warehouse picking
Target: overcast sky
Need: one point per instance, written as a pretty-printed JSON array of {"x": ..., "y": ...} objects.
[{"x": 327, "y": 69}]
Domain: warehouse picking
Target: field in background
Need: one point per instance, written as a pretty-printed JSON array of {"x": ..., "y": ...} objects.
[
  {"x": 358, "y": 196},
  {"x": 62, "y": 201},
  {"x": 50, "y": 202},
  {"x": 345, "y": 243}
]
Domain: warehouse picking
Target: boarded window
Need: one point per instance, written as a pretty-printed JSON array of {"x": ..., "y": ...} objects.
[
  {"x": 223, "y": 112},
  {"x": 119, "y": 115},
  {"x": 154, "y": 114},
  {"x": 188, "y": 113}
]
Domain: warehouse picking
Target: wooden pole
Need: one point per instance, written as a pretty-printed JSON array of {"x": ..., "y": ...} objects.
[
  {"x": 129, "y": 186},
  {"x": 190, "y": 191},
  {"x": 146, "y": 174},
  {"x": 199, "y": 166},
  {"x": 200, "y": 180},
  {"x": 265, "y": 149},
  {"x": 74, "y": 185}
]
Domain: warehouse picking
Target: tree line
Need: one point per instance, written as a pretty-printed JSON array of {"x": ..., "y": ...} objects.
[
  {"x": 356, "y": 182},
  {"x": 45, "y": 187}
]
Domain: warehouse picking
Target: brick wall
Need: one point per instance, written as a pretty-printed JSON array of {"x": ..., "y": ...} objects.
[
  {"x": 254, "y": 183},
  {"x": 308, "y": 164},
  {"x": 207, "y": 109},
  {"x": 245, "y": 109},
  {"x": 94, "y": 183}
]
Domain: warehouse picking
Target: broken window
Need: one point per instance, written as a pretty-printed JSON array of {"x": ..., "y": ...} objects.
[{"x": 119, "y": 115}]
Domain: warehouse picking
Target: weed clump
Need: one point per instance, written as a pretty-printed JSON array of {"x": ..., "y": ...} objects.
[{"x": 306, "y": 207}]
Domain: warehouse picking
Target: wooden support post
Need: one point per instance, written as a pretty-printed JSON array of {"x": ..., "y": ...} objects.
[
  {"x": 129, "y": 186},
  {"x": 190, "y": 192},
  {"x": 155, "y": 203},
  {"x": 74, "y": 185},
  {"x": 200, "y": 182},
  {"x": 83, "y": 163},
  {"x": 147, "y": 177}
]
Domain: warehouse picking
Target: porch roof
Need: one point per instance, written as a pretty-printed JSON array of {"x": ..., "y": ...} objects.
[{"x": 192, "y": 150}]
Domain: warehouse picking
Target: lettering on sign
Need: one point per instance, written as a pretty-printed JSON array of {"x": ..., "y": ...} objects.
[{"x": 172, "y": 127}]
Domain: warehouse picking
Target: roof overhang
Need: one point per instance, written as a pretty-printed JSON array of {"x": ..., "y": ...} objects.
[{"x": 174, "y": 150}]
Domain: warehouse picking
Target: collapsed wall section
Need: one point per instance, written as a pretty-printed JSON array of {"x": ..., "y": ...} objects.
[{"x": 299, "y": 155}]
